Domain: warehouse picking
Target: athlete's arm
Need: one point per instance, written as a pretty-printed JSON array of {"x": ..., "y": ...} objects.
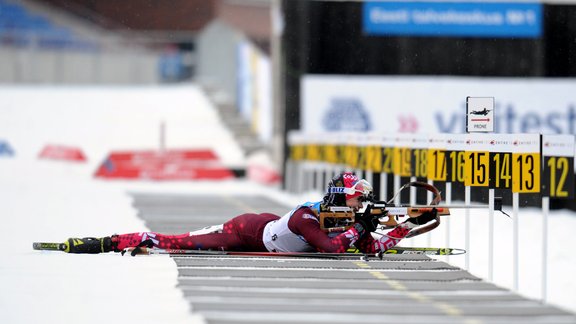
[
  {"x": 368, "y": 244},
  {"x": 304, "y": 222}
]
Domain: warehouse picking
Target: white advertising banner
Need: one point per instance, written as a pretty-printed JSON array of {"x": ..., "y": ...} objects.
[{"x": 435, "y": 104}]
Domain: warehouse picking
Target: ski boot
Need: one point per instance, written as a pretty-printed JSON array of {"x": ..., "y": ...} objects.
[{"x": 88, "y": 245}]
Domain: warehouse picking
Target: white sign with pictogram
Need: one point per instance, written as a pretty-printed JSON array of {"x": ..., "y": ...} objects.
[{"x": 479, "y": 114}]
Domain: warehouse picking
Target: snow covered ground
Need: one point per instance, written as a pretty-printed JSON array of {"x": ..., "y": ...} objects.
[{"x": 45, "y": 200}]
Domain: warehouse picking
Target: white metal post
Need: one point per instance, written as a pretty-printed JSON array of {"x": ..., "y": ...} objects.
[
  {"x": 370, "y": 177},
  {"x": 428, "y": 200},
  {"x": 304, "y": 177},
  {"x": 288, "y": 175},
  {"x": 383, "y": 186},
  {"x": 515, "y": 250},
  {"x": 412, "y": 200},
  {"x": 447, "y": 219},
  {"x": 490, "y": 234},
  {"x": 294, "y": 176},
  {"x": 412, "y": 192},
  {"x": 396, "y": 188},
  {"x": 310, "y": 177},
  {"x": 318, "y": 171},
  {"x": 467, "y": 227},
  {"x": 328, "y": 175},
  {"x": 545, "y": 213}
]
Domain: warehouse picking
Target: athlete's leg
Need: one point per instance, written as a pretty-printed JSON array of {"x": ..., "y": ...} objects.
[
  {"x": 250, "y": 227},
  {"x": 242, "y": 233},
  {"x": 213, "y": 241}
]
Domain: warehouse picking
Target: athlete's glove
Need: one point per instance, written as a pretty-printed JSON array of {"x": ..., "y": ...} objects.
[
  {"x": 366, "y": 221},
  {"x": 424, "y": 218}
]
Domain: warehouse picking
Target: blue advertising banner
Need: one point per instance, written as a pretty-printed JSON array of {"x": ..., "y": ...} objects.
[{"x": 467, "y": 19}]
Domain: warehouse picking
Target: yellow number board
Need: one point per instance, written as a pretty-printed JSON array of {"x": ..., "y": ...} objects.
[
  {"x": 500, "y": 170},
  {"x": 455, "y": 145},
  {"x": 477, "y": 169},
  {"x": 402, "y": 161},
  {"x": 559, "y": 175},
  {"x": 297, "y": 152},
  {"x": 331, "y": 153},
  {"x": 419, "y": 165},
  {"x": 503, "y": 161},
  {"x": 558, "y": 166},
  {"x": 387, "y": 159},
  {"x": 526, "y": 172},
  {"x": 313, "y": 152},
  {"x": 373, "y": 158},
  {"x": 436, "y": 165}
]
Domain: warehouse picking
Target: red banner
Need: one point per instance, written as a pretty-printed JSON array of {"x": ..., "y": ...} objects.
[
  {"x": 66, "y": 153},
  {"x": 169, "y": 165}
]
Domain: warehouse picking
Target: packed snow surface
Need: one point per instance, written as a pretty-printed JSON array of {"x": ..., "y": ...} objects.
[{"x": 49, "y": 200}]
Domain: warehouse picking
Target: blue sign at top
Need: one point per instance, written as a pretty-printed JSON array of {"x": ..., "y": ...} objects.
[{"x": 466, "y": 19}]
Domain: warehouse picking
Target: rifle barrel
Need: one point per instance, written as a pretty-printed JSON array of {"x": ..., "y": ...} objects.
[
  {"x": 451, "y": 206},
  {"x": 437, "y": 206}
]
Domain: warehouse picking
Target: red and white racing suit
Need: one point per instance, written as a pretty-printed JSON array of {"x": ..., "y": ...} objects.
[{"x": 297, "y": 231}]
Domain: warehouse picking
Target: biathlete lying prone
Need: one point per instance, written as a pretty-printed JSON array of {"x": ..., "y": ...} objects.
[{"x": 297, "y": 231}]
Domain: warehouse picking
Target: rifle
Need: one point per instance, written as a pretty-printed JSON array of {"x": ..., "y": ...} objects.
[{"x": 340, "y": 219}]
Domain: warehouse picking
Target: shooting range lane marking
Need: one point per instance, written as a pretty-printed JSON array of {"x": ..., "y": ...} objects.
[
  {"x": 273, "y": 268},
  {"x": 239, "y": 203},
  {"x": 348, "y": 291},
  {"x": 361, "y": 264},
  {"x": 444, "y": 307}
]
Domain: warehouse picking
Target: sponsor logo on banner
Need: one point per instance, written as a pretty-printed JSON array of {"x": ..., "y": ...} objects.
[
  {"x": 346, "y": 114},
  {"x": 436, "y": 105}
]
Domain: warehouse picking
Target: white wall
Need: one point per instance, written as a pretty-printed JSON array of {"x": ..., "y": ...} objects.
[{"x": 71, "y": 67}]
